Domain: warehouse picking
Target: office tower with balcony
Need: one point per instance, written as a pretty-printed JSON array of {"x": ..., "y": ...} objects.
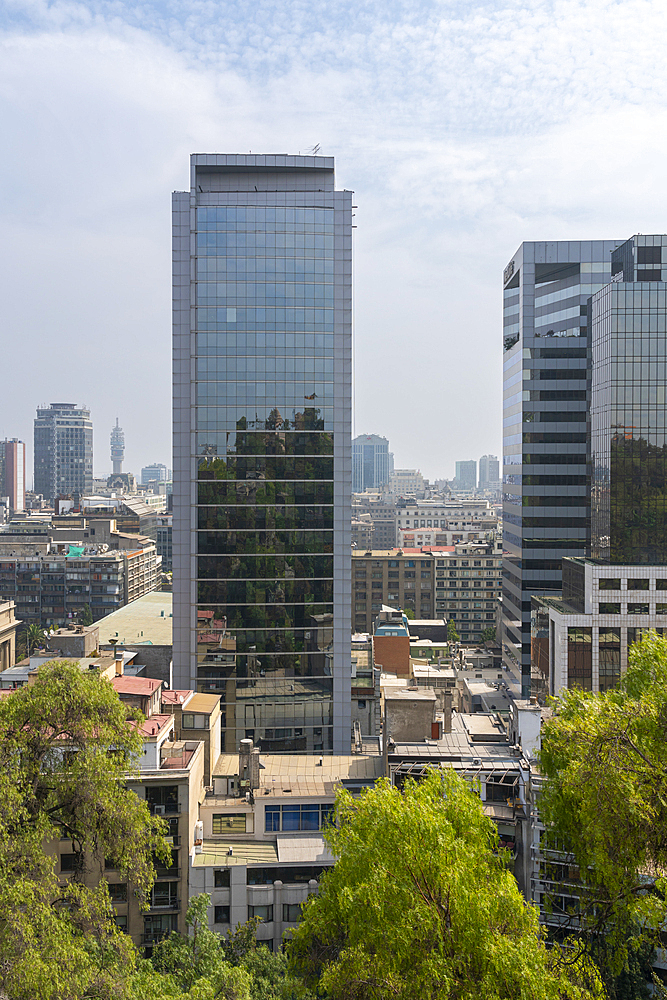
[
  {"x": 117, "y": 448},
  {"x": 12, "y": 473},
  {"x": 628, "y": 413},
  {"x": 372, "y": 462},
  {"x": 63, "y": 452},
  {"x": 262, "y": 447},
  {"x": 546, "y": 508}
]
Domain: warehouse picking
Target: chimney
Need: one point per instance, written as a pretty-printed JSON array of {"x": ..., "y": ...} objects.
[
  {"x": 118, "y": 653},
  {"x": 254, "y": 767},
  {"x": 245, "y": 750},
  {"x": 447, "y": 712}
]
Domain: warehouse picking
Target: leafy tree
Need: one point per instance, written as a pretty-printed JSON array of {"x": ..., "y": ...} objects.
[
  {"x": 409, "y": 613},
  {"x": 452, "y": 634},
  {"x": 197, "y": 963},
  {"x": 604, "y": 758},
  {"x": 421, "y": 904},
  {"x": 488, "y": 635},
  {"x": 65, "y": 752},
  {"x": 87, "y": 616}
]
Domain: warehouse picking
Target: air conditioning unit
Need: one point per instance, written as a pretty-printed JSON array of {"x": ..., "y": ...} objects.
[{"x": 158, "y": 810}]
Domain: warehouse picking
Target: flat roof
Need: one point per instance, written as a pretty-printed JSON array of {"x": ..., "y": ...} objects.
[
  {"x": 244, "y": 852},
  {"x": 303, "y": 849},
  {"x": 205, "y": 703},
  {"x": 296, "y": 767},
  {"x": 141, "y": 616}
]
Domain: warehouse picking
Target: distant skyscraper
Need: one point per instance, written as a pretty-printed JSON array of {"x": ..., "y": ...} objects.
[
  {"x": 63, "y": 451},
  {"x": 262, "y": 387},
  {"x": 466, "y": 475},
  {"x": 150, "y": 473},
  {"x": 371, "y": 462},
  {"x": 546, "y": 513},
  {"x": 12, "y": 472},
  {"x": 628, "y": 413},
  {"x": 489, "y": 471}
]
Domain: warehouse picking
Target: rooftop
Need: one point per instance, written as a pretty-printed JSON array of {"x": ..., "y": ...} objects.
[
  {"x": 145, "y": 621},
  {"x": 142, "y": 686},
  {"x": 246, "y": 852},
  {"x": 277, "y": 767}
]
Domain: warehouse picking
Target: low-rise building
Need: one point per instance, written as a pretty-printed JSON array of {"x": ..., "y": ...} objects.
[
  {"x": 581, "y": 638},
  {"x": 8, "y": 626},
  {"x": 262, "y": 849}
]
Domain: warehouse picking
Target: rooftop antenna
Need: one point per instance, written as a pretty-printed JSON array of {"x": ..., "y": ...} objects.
[{"x": 313, "y": 150}]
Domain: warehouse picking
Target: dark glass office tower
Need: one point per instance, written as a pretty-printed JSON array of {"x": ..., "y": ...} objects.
[
  {"x": 628, "y": 434},
  {"x": 546, "y": 513},
  {"x": 63, "y": 451},
  {"x": 262, "y": 440}
]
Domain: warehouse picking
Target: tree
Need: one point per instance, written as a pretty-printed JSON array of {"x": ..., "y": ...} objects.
[
  {"x": 604, "y": 760},
  {"x": 488, "y": 635},
  {"x": 409, "y": 613},
  {"x": 34, "y": 635},
  {"x": 421, "y": 904},
  {"x": 452, "y": 634},
  {"x": 87, "y": 615},
  {"x": 66, "y": 750},
  {"x": 197, "y": 963}
]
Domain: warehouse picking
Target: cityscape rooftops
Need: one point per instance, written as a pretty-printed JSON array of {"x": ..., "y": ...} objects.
[{"x": 146, "y": 621}]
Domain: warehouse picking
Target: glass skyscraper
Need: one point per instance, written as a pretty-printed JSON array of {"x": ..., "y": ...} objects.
[
  {"x": 546, "y": 509},
  {"x": 628, "y": 433},
  {"x": 371, "y": 462},
  {"x": 262, "y": 441}
]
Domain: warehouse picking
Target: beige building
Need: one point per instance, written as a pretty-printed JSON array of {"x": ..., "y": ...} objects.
[
  {"x": 398, "y": 578},
  {"x": 263, "y": 850},
  {"x": 8, "y": 626}
]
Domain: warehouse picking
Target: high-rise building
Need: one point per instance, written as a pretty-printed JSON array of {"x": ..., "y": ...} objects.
[
  {"x": 628, "y": 413},
  {"x": 466, "y": 475},
  {"x": 262, "y": 389},
  {"x": 154, "y": 473},
  {"x": 489, "y": 471},
  {"x": 546, "y": 512},
  {"x": 63, "y": 451},
  {"x": 12, "y": 473},
  {"x": 371, "y": 463},
  {"x": 117, "y": 448}
]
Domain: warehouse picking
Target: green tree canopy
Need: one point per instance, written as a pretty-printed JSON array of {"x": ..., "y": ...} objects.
[
  {"x": 420, "y": 905},
  {"x": 66, "y": 750},
  {"x": 604, "y": 760},
  {"x": 452, "y": 634}
]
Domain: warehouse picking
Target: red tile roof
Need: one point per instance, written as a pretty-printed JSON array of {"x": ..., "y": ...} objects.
[
  {"x": 154, "y": 725},
  {"x": 170, "y": 697},
  {"x": 143, "y": 686}
]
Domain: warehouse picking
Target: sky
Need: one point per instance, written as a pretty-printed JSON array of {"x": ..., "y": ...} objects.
[{"x": 463, "y": 128}]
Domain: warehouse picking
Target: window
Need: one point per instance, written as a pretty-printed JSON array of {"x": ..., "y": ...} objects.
[
  {"x": 164, "y": 894},
  {"x": 221, "y": 915},
  {"x": 120, "y": 920},
  {"x": 288, "y": 876},
  {"x": 609, "y": 609},
  {"x": 393, "y": 563},
  {"x": 265, "y": 913},
  {"x": 410, "y": 563},
  {"x": 162, "y": 799},
  {"x": 579, "y": 657},
  {"x": 221, "y": 878},
  {"x": 661, "y": 584},
  {"x": 190, "y": 720},
  {"x": 637, "y": 584},
  {"x": 637, "y": 609},
  {"x": 425, "y": 575},
  {"x": 291, "y": 912},
  {"x": 68, "y": 862},
  {"x": 609, "y": 583},
  {"x": 661, "y": 609},
  {"x": 118, "y": 892},
  {"x": 224, "y": 823},
  {"x": 361, "y": 704},
  {"x": 293, "y": 818}
]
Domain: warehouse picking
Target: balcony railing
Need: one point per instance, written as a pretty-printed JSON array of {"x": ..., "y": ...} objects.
[{"x": 173, "y": 907}]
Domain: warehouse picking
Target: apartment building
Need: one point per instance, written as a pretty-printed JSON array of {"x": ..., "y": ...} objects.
[
  {"x": 51, "y": 589},
  {"x": 397, "y": 578},
  {"x": 262, "y": 850},
  {"x": 468, "y": 587}
]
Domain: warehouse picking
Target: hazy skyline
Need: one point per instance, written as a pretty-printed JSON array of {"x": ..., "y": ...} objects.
[{"x": 463, "y": 131}]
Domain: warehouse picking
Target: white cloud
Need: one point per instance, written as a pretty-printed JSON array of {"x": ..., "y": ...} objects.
[{"x": 463, "y": 129}]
